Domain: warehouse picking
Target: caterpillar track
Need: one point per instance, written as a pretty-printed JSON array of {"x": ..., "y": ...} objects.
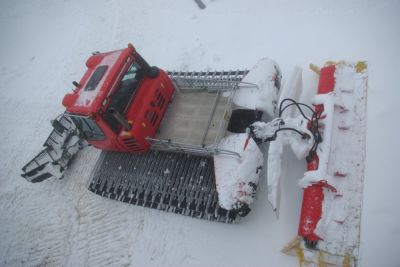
[{"x": 168, "y": 181}]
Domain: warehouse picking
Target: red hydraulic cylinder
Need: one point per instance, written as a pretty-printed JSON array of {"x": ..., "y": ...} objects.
[{"x": 313, "y": 195}]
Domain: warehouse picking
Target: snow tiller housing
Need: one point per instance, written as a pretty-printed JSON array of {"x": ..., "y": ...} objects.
[{"x": 329, "y": 228}]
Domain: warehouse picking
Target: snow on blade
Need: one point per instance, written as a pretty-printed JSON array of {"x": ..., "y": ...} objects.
[
  {"x": 292, "y": 89},
  {"x": 329, "y": 102},
  {"x": 237, "y": 178},
  {"x": 298, "y": 144},
  {"x": 259, "y": 90},
  {"x": 274, "y": 173}
]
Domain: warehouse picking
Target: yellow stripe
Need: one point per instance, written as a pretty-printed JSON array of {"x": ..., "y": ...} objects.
[
  {"x": 300, "y": 254},
  {"x": 315, "y": 69},
  {"x": 361, "y": 66}
]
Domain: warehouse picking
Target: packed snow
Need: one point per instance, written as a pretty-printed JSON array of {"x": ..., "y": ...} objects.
[
  {"x": 345, "y": 171},
  {"x": 292, "y": 89},
  {"x": 257, "y": 90},
  {"x": 237, "y": 176},
  {"x": 298, "y": 145},
  {"x": 44, "y": 45}
]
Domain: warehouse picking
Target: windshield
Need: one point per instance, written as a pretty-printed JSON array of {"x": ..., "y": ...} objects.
[
  {"x": 88, "y": 128},
  {"x": 96, "y": 78},
  {"x": 124, "y": 94}
]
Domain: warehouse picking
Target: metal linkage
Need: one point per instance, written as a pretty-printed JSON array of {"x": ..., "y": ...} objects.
[
  {"x": 61, "y": 145},
  {"x": 169, "y": 181},
  {"x": 207, "y": 80}
]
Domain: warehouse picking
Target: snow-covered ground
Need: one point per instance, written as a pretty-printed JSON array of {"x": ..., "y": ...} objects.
[{"x": 44, "y": 45}]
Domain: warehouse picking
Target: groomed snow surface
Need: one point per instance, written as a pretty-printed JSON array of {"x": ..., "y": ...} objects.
[{"x": 44, "y": 46}]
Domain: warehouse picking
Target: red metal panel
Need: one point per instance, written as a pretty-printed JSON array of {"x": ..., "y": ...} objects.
[
  {"x": 313, "y": 195},
  {"x": 311, "y": 208},
  {"x": 153, "y": 94},
  {"x": 145, "y": 103}
]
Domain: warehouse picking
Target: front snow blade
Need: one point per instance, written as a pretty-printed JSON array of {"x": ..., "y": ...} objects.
[{"x": 60, "y": 147}]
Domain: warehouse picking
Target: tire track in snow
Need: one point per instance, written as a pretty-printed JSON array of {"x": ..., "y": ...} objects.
[
  {"x": 101, "y": 233},
  {"x": 37, "y": 235},
  {"x": 99, "y": 236}
]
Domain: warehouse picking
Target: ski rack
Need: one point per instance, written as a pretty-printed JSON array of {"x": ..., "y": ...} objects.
[{"x": 215, "y": 82}]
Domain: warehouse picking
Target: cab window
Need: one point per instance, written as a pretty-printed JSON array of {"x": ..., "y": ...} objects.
[{"x": 123, "y": 95}]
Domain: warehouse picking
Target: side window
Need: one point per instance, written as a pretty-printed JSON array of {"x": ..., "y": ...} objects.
[{"x": 123, "y": 95}]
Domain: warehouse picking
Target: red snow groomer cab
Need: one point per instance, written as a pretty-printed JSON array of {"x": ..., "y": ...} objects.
[{"x": 119, "y": 101}]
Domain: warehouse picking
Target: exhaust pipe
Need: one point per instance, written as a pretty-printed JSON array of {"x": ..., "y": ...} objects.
[{"x": 120, "y": 119}]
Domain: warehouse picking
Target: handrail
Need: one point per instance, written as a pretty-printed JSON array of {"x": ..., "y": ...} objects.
[
  {"x": 213, "y": 82},
  {"x": 165, "y": 144}
]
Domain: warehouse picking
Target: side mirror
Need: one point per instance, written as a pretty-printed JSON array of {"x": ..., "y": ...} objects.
[{"x": 152, "y": 72}]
